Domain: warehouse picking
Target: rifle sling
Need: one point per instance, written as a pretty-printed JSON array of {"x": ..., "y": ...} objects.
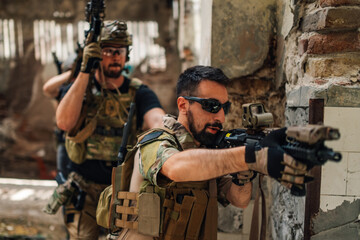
[{"x": 254, "y": 230}]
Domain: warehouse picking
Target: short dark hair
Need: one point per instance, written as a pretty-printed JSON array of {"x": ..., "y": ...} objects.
[{"x": 191, "y": 77}]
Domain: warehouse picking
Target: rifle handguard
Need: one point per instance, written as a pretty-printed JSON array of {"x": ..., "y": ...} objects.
[{"x": 312, "y": 134}]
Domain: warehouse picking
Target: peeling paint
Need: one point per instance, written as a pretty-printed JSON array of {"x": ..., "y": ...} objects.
[
  {"x": 346, "y": 213},
  {"x": 287, "y": 214}
]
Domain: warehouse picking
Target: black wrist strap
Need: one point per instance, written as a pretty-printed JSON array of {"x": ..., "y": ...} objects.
[
  {"x": 235, "y": 180},
  {"x": 250, "y": 153}
]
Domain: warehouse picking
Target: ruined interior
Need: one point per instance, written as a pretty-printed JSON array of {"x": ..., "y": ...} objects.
[{"x": 301, "y": 59}]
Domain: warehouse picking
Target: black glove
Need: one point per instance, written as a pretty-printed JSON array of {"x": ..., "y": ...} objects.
[
  {"x": 91, "y": 56},
  {"x": 269, "y": 158}
]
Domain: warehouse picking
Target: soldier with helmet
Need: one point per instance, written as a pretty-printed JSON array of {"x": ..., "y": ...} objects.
[{"x": 93, "y": 112}]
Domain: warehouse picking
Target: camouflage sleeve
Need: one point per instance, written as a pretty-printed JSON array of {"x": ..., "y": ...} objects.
[{"x": 152, "y": 158}]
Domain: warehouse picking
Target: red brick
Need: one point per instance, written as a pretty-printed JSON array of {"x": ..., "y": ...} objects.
[
  {"x": 334, "y": 43},
  {"x": 336, "y": 3},
  {"x": 320, "y": 81},
  {"x": 303, "y": 46},
  {"x": 343, "y": 83},
  {"x": 340, "y": 18}
]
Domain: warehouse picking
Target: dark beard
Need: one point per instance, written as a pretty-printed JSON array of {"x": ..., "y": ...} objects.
[
  {"x": 113, "y": 74},
  {"x": 205, "y": 138}
]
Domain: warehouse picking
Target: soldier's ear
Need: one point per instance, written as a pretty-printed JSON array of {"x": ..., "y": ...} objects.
[{"x": 183, "y": 105}]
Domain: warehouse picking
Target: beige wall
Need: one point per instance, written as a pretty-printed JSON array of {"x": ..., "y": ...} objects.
[{"x": 340, "y": 181}]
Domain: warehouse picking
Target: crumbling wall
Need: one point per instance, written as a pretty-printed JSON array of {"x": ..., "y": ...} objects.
[
  {"x": 320, "y": 59},
  {"x": 243, "y": 45}
]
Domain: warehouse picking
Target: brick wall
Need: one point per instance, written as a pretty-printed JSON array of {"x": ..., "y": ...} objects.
[{"x": 325, "y": 63}]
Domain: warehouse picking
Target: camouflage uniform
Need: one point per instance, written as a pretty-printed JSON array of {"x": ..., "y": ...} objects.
[
  {"x": 94, "y": 142},
  {"x": 150, "y": 166}
]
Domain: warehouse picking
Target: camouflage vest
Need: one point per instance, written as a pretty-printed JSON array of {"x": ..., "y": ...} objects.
[
  {"x": 180, "y": 211},
  {"x": 103, "y": 115}
]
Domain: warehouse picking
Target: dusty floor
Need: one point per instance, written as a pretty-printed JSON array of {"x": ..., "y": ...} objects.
[{"x": 21, "y": 202}]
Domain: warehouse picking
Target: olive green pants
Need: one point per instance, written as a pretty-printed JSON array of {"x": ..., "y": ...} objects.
[{"x": 82, "y": 224}]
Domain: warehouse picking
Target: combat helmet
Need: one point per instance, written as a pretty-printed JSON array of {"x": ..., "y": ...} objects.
[{"x": 115, "y": 32}]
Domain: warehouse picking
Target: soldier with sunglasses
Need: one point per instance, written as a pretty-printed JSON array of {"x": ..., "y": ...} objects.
[
  {"x": 93, "y": 112},
  {"x": 175, "y": 165}
]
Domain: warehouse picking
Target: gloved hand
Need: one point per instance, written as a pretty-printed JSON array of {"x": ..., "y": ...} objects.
[
  {"x": 268, "y": 158},
  {"x": 243, "y": 177},
  {"x": 91, "y": 55}
]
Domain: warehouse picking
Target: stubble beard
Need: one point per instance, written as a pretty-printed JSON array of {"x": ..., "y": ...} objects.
[{"x": 113, "y": 74}]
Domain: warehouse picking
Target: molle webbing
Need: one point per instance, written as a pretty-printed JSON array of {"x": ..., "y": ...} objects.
[
  {"x": 120, "y": 181},
  {"x": 111, "y": 112},
  {"x": 128, "y": 214},
  {"x": 108, "y": 131}
]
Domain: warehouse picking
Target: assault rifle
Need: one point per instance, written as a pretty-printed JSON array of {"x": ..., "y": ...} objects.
[
  {"x": 304, "y": 143},
  {"x": 94, "y": 14}
]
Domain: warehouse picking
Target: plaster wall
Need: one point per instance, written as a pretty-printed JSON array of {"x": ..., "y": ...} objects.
[
  {"x": 241, "y": 33},
  {"x": 243, "y": 45},
  {"x": 340, "y": 180}
]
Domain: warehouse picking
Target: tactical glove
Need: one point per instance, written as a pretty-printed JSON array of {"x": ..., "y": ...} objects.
[
  {"x": 91, "y": 56},
  {"x": 269, "y": 158}
]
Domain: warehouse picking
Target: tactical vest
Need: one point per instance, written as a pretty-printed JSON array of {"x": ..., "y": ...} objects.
[
  {"x": 103, "y": 117},
  {"x": 181, "y": 211}
]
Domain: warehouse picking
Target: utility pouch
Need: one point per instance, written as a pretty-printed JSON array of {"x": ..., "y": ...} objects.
[
  {"x": 149, "y": 212},
  {"x": 103, "y": 207},
  {"x": 76, "y": 145},
  {"x": 176, "y": 218},
  {"x": 61, "y": 196},
  {"x": 185, "y": 212},
  {"x": 76, "y": 151}
]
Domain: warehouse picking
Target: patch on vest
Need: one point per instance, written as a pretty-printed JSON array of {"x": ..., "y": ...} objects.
[
  {"x": 151, "y": 136},
  {"x": 110, "y": 107}
]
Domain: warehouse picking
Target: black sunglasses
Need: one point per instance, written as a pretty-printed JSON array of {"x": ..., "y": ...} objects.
[{"x": 210, "y": 105}]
